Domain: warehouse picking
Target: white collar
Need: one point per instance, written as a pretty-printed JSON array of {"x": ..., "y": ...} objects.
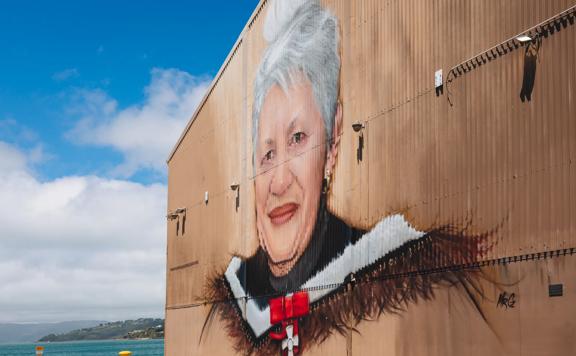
[{"x": 388, "y": 235}]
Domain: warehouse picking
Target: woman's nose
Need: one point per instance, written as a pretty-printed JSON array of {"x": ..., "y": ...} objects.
[{"x": 282, "y": 178}]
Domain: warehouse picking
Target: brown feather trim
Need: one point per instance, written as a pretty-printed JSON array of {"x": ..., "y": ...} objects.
[{"x": 443, "y": 257}]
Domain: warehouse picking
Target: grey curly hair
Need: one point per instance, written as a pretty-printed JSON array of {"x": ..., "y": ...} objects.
[{"x": 306, "y": 46}]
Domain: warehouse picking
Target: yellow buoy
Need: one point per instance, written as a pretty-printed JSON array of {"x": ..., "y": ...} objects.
[{"x": 124, "y": 353}]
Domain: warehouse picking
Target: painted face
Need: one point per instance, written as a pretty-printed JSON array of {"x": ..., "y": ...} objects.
[{"x": 290, "y": 161}]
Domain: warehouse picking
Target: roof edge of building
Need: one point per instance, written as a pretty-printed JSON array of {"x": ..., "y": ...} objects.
[{"x": 251, "y": 20}]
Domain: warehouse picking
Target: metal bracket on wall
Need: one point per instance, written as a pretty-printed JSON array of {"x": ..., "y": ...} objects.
[
  {"x": 359, "y": 127},
  {"x": 236, "y": 187},
  {"x": 175, "y": 215},
  {"x": 535, "y": 33}
]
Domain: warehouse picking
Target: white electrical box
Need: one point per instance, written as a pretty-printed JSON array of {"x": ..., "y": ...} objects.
[{"x": 438, "y": 78}]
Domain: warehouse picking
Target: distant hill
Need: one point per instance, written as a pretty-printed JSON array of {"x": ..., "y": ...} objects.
[
  {"x": 140, "y": 328},
  {"x": 12, "y": 333}
]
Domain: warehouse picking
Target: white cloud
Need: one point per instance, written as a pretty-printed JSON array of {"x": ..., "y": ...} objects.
[
  {"x": 10, "y": 128},
  {"x": 65, "y": 74},
  {"x": 143, "y": 133},
  {"x": 11, "y": 159},
  {"x": 15, "y": 134},
  {"x": 78, "y": 247},
  {"x": 87, "y": 247}
]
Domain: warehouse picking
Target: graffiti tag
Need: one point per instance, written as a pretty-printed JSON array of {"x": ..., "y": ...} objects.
[{"x": 506, "y": 300}]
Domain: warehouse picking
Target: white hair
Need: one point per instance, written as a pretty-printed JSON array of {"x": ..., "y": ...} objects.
[{"x": 303, "y": 43}]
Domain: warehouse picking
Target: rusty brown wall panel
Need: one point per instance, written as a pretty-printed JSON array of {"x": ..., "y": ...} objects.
[
  {"x": 449, "y": 325},
  {"x": 483, "y": 116},
  {"x": 183, "y": 327},
  {"x": 198, "y": 166},
  {"x": 485, "y": 161}
]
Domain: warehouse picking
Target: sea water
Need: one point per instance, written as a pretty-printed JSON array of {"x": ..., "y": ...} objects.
[{"x": 88, "y": 348}]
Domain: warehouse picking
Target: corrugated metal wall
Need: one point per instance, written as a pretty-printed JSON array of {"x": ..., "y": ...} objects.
[{"x": 475, "y": 155}]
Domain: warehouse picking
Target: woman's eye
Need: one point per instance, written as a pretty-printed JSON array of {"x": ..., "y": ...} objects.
[{"x": 298, "y": 137}]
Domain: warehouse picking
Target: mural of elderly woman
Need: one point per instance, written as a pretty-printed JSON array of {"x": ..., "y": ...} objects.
[{"x": 314, "y": 275}]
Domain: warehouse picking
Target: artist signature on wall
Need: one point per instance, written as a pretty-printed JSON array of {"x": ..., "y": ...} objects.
[{"x": 506, "y": 300}]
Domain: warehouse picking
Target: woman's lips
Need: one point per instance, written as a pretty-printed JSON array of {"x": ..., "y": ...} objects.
[{"x": 283, "y": 213}]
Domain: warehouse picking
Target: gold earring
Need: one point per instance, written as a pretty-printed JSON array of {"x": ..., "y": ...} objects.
[{"x": 327, "y": 178}]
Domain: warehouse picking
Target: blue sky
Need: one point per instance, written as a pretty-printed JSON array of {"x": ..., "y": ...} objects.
[
  {"x": 51, "y": 50},
  {"x": 93, "y": 95}
]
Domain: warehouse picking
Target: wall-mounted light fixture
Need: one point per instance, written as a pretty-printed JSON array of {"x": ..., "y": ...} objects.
[
  {"x": 236, "y": 187},
  {"x": 532, "y": 47},
  {"x": 175, "y": 215},
  {"x": 438, "y": 82},
  {"x": 523, "y": 38},
  {"x": 206, "y": 197},
  {"x": 359, "y": 127}
]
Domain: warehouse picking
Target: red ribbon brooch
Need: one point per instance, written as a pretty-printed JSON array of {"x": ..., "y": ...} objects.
[{"x": 287, "y": 310}]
